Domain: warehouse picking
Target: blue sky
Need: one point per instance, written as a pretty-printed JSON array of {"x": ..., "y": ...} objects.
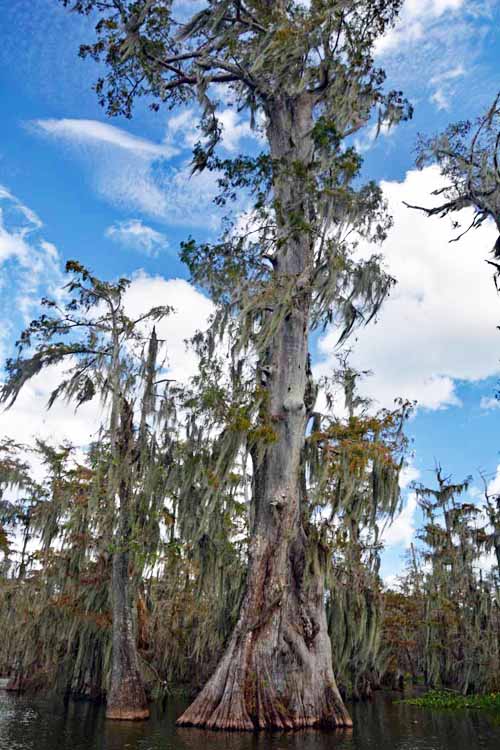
[{"x": 116, "y": 195}]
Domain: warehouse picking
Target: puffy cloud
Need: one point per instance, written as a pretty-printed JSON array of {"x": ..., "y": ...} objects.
[
  {"x": 30, "y": 269},
  {"x": 191, "y": 313},
  {"x": 234, "y": 129},
  {"x": 29, "y": 418},
  {"x": 402, "y": 529},
  {"x": 136, "y": 235},
  {"x": 439, "y": 324},
  {"x": 488, "y": 403},
  {"x": 408, "y": 475}
]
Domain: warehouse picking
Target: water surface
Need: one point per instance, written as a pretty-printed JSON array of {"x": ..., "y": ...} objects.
[{"x": 36, "y": 724}]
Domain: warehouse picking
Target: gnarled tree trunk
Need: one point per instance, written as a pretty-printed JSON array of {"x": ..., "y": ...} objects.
[
  {"x": 126, "y": 697},
  {"x": 277, "y": 671}
]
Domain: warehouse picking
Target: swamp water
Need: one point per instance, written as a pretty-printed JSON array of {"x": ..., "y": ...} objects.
[{"x": 34, "y": 724}]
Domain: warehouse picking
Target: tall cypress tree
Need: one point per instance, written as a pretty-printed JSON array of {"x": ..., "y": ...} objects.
[{"x": 309, "y": 71}]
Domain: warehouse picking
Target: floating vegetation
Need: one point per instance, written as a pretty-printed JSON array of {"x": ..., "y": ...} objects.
[{"x": 450, "y": 700}]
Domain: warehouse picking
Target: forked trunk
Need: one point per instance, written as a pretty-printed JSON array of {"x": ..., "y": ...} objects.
[
  {"x": 277, "y": 671},
  {"x": 126, "y": 696}
]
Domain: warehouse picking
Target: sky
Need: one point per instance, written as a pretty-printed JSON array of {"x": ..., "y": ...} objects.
[{"x": 117, "y": 195}]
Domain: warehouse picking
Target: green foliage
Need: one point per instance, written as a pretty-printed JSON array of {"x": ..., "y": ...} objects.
[
  {"x": 446, "y": 699},
  {"x": 256, "y": 48},
  {"x": 353, "y": 467}
]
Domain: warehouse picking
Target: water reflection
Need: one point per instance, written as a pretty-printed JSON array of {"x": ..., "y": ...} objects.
[
  {"x": 193, "y": 739},
  {"x": 28, "y": 724}
]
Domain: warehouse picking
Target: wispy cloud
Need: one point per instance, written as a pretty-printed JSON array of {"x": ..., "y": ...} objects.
[
  {"x": 104, "y": 134},
  {"x": 415, "y": 20},
  {"x": 136, "y": 235},
  {"x": 444, "y": 84},
  {"x": 421, "y": 52},
  {"x": 24, "y": 255},
  {"x": 139, "y": 174}
]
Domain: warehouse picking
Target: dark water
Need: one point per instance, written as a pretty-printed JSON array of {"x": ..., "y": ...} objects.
[{"x": 27, "y": 724}]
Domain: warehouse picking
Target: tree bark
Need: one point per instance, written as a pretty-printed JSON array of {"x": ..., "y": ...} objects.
[
  {"x": 126, "y": 697},
  {"x": 276, "y": 672}
]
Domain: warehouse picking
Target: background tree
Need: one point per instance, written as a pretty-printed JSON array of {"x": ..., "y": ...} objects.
[
  {"x": 467, "y": 154},
  {"x": 310, "y": 72},
  {"x": 94, "y": 338},
  {"x": 403, "y": 635},
  {"x": 455, "y": 641},
  {"x": 353, "y": 464}
]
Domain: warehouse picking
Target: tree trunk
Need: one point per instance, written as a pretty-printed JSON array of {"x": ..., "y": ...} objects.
[
  {"x": 276, "y": 672},
  {"x": 126, "y": 697},
  {"x": 16, "y": 683}
]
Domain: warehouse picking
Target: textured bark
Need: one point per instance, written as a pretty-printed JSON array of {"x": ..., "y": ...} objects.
[
  {"x": 126, "y": 697},
  {"x": 277, "y": 671},
  {"x": 16, "y": 683}
]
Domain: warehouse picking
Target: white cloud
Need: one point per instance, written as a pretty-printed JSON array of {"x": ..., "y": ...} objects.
[
  {"x": 444, "y": 83},
  {"x": 433, "y": 8},
  {"x": 415, "y": 16},
  {"x": 29, "y": 418},
  {"x": 370, "y": 135},
  {"x": 95, "y": 132},
  {"x": 420, "y": 53},
  {"x": 234, "y": 129},
  {"x": 441, "y": 99},
  {"x": 486, "y": 562},
  {"x": 439, "y": 324},
  {"x": 392, "y": 581},
  {"x": 448, "y": 75},
  {"x": 408, "y": 475},
  {"x": 134, "y": 234},
  {"x": 489, "y": 403},
  {"x": 182, "y": 128},
  {"x": 191, "y": 313},
  {"x": 30, "y": 269},
  {"x": 494, "y": 484},
  {"x": 138, "y": 174},
  {"x": 402, "y": 529},
  {"x": 28, "y": 264}
]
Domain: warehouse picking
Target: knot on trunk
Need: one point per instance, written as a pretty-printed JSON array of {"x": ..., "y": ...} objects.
[{"x": 292, "y": 404}]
